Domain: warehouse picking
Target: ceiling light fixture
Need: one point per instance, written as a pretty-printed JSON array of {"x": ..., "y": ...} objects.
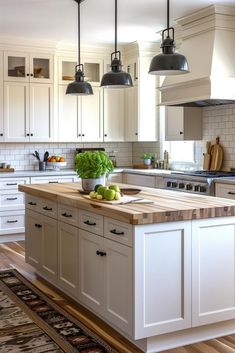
[
  {"x": 79, "y": 86},
  {"x": 168, "y": 62},
  {"x": 116, "y": 78}
]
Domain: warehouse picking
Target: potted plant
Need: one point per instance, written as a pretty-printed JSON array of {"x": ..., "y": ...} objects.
[
  {"x": 147, "y": 157},
  {"x": 93, "y": 168}
]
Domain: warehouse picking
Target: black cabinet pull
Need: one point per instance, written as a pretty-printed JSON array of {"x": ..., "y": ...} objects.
[
  {"x": 11, "y": 184},
  {"x": 27, "y": 134},
  {"x": 105, "y": 135},
  {"x": 79, "y": 135},
  {"x": 101, "y": 253},
  {"x": 32, "y": 203},
  {"x": 11, "y": 198},
  {"x": 31, "y": 75},
  {"x": 1, "y": 134},
  {"x": 38, "y": 225},
  {"x": 231, "y": 193},
  {"x": 27, "y": 75},
  {"x": 12, "y": 221},
  {"x": 114, "y": 231},
  {"x": 83, "y": 134},
  {"x": 90, "y": 223},
  {"x": 53, "y": 182},
  {"x": 31, "y": 134},
  {"x": 181, "y": 132},
  {"x": 66, "y": 215},
  {"x": 47, "y": 208}
]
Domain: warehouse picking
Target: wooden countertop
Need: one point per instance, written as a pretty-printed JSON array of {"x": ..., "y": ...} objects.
[{"x": 168, "y": 205}]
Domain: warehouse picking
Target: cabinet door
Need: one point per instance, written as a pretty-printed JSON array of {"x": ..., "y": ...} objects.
[
  {"x": 33, "y": 239},
  {"x": 93, "y": 70},
  {"x": 225, "y": 190},
  {"x": 131, "y": 114},
  {"x": 67, "y": 257},
  {"x": 16, "y": 111},
  {"x": 213, "y": 270},
  {"x": 92, "y": 116},
  {"x": 41, "y": 68},
  {"x": 91, "y": 271},
  {"x": 174, "y": 123},
  {"x": 68, "y": 116},
  {"x": 41, "y": 112},
  {"x": 162, "y": 265},
  {"x": 66, "y": 70},
  {"x": 132, "y": 68},
  {"x": 16, "y": 67},
  {"x": 143, "y": 180},
  {"x": 118, "y": 285},
  {"x": 1, "y": 113},
  {"x": 114, "y": 114}
]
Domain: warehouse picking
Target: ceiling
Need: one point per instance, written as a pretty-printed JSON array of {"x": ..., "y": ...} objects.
[{"x": 56, "y": 20}]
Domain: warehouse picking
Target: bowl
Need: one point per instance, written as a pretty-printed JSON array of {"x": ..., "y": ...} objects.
[{"x": 56, "y": 165}]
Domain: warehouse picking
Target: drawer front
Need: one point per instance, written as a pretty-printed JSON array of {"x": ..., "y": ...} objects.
[
  {"x": 48, "y": 208},
  {"x": 12, "y": 183},
  {"x": 32, "y": 203},
  {"x": 225, "y": 190},
  {"x": 11, "y": 200},
  {"x": 12, "y": 223},
  {"x": 141, "y": 180},
  {"x": 51, "y": 180},
  {"x": 68, "y": 214},
  {"x": 91, "y": 222},
  {"x": 118, "y": 231}
]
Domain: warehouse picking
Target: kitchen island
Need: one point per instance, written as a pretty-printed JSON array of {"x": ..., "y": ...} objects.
[{"x": 162, "y": 274}]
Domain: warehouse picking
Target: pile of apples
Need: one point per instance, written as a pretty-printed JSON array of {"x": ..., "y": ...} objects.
[
  {"x": 109, "y": 193},
  {"x": 56, "y": 159}
]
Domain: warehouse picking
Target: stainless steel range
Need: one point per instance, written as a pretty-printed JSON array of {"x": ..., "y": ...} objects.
[{"x": 197, "y": 182}]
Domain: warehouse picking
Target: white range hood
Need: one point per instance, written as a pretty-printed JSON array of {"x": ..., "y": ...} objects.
[{"x": 208, "y": 42}]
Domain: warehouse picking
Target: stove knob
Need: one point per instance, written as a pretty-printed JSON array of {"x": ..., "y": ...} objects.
[
  {"x": 189, "y": 187},
  {"x": 196, "y": 187},
  {"x": 168, "y": 184},
  {"x": 202, "y": 188},
  {"x": 174, "y": 184},
  {"x": 181, "y": 185}
]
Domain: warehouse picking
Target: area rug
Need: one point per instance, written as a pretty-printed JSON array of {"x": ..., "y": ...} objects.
[{"x": 31, "y": 322}]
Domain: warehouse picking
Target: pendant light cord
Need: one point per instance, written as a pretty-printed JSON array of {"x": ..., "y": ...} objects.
[
  {"x": 115, "y": 25},
  {"x": 168, "y": 17},
  {"x": 79, "y": 55}
]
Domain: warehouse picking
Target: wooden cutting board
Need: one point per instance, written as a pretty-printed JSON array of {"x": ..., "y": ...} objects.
[
  {"x": 217, "y": 154},
  {"x": 207, "y": 157},
  {"x": 124, "y": 200}
]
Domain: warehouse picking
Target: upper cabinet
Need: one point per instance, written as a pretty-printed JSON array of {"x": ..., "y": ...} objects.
[
  {"x": 183, "y": 123},
  {"x": 1, "y": 99},
  {"x": 93, "y": 70},
  {"x": 28, "y": 67}
]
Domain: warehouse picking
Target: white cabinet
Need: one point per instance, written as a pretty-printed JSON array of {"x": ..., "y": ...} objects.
[
  {"x": 68, "y": 257},
  {"x": 33, "y": 239},
  {"x": 137, "y": 179},
  {"x": 53, "y": 179},
  {"x": 28, "y": 112},
  {"x": 114, "y": 178},
  {"x": 1, "y": 98},
  {"x": 225, "y": 190},
  {"x": 114, "y": 114},
  {"x": 183, "y": 123},
  {"x": 131, "y": 114},
  {"x": 162, "y": 278},
  {"x": 213, "y": 270},
  {"x": 80, "y": 118},
  {"x": 28, "y": 67}
]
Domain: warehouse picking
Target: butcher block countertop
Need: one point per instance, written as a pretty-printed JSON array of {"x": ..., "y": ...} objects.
[{"x": 168, "y": 205}]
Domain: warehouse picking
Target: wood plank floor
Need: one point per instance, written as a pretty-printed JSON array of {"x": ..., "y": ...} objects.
[{"x": 12, "y": 255}]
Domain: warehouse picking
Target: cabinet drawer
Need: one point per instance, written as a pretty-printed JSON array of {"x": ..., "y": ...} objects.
[
  {"x": 142, "y": 180},
  {"x": 12, "y": 222},
  {"x": 225, "y": 190},
  {"x": 118, "y": 231},
  {"x": 91, "y": 222},
  {"x": 12, "y": 184},
  {"x": 12, "y": 200},
  {"x": 32, "y": 203},
  {"x": 68, "y": 214},
  {"x": 46, "y": 207},
  {"x": 52, "y": 180}
]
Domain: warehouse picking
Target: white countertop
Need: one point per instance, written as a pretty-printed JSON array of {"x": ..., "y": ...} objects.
[{"x": 225, "y": 180}]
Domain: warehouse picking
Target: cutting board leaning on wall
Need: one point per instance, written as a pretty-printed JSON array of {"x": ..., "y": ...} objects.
[{"x": 216, "y": 156}]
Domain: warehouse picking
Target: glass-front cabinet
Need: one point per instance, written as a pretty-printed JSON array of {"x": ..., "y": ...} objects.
[
  {"x": 93, "y": 70},
  {"x": 28, "y": 67}
]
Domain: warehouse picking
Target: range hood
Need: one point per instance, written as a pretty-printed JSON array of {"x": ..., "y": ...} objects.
[{"x": 208, "y": 42}]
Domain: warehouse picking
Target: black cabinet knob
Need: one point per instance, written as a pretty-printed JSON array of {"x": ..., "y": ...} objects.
[
  {"x": 181, "y": 132},
  {"x": 1, "y": 134},
  {"x": 27, "y": 75},
  {"x": 31, "y": 75},
  {"x": 105, "y": 135},
  {"x": 27, "y": 134},
  {"x": 31, "y": 134},
  {"x": 83, "y": 134}
]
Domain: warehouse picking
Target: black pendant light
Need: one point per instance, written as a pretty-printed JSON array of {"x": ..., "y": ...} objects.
[
  {"x": 169, "y": 62},
  {"x": 79, "y": 86},
  {"x": 116, "y": 78}
]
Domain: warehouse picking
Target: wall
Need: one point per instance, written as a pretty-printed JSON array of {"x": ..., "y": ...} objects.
[{"x": 20, "y": 155}]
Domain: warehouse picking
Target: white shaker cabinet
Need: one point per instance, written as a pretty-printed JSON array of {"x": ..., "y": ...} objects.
[
  {"x": 28, "y": 112},
  {"x": 183, "y": 123},
  {"x": 114, "y": 114},
  {"x": 1, "y": 100},
  {"x": 225, "y": 190}
]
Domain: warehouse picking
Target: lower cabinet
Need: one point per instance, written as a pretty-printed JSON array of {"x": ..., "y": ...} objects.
[{"x": 141, "y": 180}]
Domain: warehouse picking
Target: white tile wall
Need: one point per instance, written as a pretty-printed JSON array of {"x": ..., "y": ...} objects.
[{"x": 20, "y": 155}]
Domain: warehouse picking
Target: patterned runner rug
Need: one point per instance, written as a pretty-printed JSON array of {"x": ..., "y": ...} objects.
[{"x": 30, "y": 322}]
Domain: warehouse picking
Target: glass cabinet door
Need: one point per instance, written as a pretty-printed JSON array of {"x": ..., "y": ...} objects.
[
  {"x": 15, "y": 67},
  {"x": 66, "y": 70},
  {"x": 41, "y": 68}
]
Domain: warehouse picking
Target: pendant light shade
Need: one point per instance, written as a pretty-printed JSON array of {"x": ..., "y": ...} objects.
[
  {"x": 116, "y": 78},
  {"x": 168, "y": 62},
  {"x": 79, "y": 86}
]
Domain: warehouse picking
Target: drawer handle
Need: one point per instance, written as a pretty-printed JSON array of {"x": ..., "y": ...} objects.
[
  {"x": 53, "y": 182},
  {"x": 38, "y": 225},
  {"x": 90, "y": 223},
  {"x": 67, "y": 215},
  {"x": 32, "y": 203},
  {"x": 114, "y": 231},
  {"x": 11, "y": 198},
  {"x": 231, "y": 193},
  {"x": 101, "y": 253},
  {"x": 47, "y": 208},
  {"x": 12, "y": 221},
  {"x": 11, "y": 184}
]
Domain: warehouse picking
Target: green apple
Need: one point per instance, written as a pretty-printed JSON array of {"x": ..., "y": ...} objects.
[
  {"x": 96, "y": 187},
  {"x": 109, "y": 194},
  {"x": 117, "y": 196},
  {"x": 92, "y": 194},
  {"x": 101, "y": 189},
  {"x": 115, "y": 188}
]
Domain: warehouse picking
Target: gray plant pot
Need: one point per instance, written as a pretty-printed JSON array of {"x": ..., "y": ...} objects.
[{"x": 89, "y": 184}]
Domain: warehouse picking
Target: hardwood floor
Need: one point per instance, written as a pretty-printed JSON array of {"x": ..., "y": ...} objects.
[{"x": 12, "y": 255}]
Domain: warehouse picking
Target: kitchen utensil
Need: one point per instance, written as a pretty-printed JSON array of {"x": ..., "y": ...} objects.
[
  {"x": 217, "y": 153},
  {"x": 36, "y": 154},
  {"x": 207, "y": 157},
  {"x": 46, "y": 155},
  {"x": 42, "y": 165}
]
